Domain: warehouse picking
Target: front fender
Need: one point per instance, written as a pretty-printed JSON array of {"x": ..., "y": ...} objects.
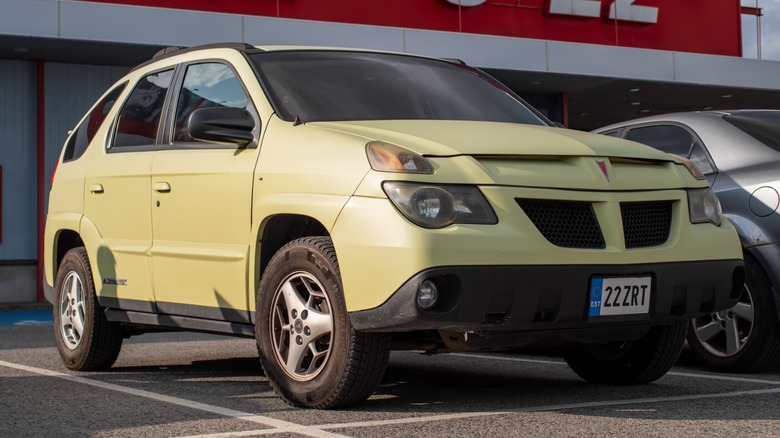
[{"x": 751, "y": 233}]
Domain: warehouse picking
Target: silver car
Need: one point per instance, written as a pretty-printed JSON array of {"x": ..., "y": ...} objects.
[{"x": 739, "y": 153}]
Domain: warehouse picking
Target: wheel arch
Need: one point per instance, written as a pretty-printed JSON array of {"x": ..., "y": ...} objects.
[
  {"x": 280, "y": 229},
  {"x": 65, "y": 241},
  {"x": 760, "y": 245},
  {"x": 767, "y": 257}
]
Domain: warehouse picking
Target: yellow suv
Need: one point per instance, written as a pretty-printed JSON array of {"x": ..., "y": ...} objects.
[{"x": 336, "y": 204}]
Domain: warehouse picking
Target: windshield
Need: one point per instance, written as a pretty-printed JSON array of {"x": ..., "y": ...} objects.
[
  {"x": 338, "y": 86},
  {"x": 764, "y": 126}
]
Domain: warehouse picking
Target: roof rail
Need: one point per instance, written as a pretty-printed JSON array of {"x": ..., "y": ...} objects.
[
  {"x": 165, "y": 51},
  {"x": 174, "y": 50}
]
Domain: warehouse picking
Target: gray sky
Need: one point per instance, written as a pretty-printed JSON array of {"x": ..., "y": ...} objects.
[{"x": 770, "y": 30}]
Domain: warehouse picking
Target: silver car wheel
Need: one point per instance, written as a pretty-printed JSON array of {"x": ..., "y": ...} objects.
[
  {"x": 72, "y": 310},
  {"x": 727, "y": 332},
  {"x": 302, "y": 326}
]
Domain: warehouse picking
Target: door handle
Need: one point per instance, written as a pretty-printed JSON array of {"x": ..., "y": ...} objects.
[
  {"x": 96, "y": 188},
  {"x": 162, "y": 187}
]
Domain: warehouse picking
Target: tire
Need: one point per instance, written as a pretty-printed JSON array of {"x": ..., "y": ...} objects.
[
  {"x": 309, "y": 351},
  {"x": 630, "y": 363},
  {"x": 754, "y": 344},
  {"x": 85, "y": 339}
]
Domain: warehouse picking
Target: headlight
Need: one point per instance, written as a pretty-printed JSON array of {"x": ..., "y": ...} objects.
[
  {"x": 387, "y": 157},
  {"x": 438, "y": 206},
  {"x": 704, "y": 206}
]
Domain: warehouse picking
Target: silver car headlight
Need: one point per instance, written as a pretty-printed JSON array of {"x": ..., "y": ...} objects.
[
  {"x": 438, "y": 206},
  {"x": 704, "y": 206}
]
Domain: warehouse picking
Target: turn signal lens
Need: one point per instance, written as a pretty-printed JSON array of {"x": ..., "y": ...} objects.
[{"x": 387, "y": 157}]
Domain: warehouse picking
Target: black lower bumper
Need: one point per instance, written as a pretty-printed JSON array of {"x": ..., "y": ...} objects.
[{"x": 539, "y": 298}]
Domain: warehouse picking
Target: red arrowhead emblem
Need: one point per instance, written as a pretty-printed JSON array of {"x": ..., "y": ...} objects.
[{"x": 603, "y": 166}]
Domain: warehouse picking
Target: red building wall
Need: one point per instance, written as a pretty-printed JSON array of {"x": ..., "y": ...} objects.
[{"x": 699, "y": 26}]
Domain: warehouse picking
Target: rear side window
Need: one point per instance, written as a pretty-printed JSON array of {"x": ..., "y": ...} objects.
[
  {"x": 139, "y": 119},
  {"x": 673, "y": 140},
  {"x": 668, "y": 138},
  {"x": 85, "y": 132}
]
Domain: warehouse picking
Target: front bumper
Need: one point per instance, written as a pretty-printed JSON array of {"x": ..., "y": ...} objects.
[{"x": 539, "y": 298}]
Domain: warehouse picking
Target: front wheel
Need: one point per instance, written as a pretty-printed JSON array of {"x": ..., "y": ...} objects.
[
  {"x": 744, "y": 338},
  {"x": 85, "y": 339},
  {"x": 310, "y": 353},
  {"x": 631, "y": 362}
]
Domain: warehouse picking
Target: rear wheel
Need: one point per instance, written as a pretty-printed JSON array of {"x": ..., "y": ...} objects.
[
  {"x": 311, "y": 355},
  {"x": 744, "y": 338},
  {"x": 85, "y": 339},
  {"x": 629, "y": 363}
]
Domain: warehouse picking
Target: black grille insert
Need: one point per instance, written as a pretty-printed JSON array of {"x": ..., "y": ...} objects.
[
  {"x": 646, "y": 223},
  {"x": 565, "y": 223}
]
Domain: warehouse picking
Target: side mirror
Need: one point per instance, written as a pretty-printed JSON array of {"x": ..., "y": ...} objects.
[{"x": 222, "y": 125}]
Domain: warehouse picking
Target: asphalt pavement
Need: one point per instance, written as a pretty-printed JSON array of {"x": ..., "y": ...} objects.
[{"x": 206, "y": 386}]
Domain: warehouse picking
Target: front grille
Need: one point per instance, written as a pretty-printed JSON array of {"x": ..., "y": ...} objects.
[
  {"x": 565, "y": 223},
  {"x": 646, "y": 223}
]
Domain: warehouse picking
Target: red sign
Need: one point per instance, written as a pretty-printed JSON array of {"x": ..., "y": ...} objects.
[{"x": 699, "y": 26}]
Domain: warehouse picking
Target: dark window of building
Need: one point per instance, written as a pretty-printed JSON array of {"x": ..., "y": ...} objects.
[
  {"x": 207, "y": 86},
  {"x": 139, "y": 119},
  {"x": 85, "y": 132}
]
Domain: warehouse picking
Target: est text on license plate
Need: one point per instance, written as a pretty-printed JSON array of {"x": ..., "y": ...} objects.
[{"x": 619, "y": 296}]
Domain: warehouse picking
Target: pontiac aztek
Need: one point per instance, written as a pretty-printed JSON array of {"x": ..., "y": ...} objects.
[{"x": 336, "y": 204}]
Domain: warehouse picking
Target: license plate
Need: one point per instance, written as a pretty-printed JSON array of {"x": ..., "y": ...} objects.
[{"x": 619, "y": 296}]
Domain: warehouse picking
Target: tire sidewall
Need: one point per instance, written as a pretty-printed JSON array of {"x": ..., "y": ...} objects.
[
  {"x": 302, "y": 256},
  {"x": 74, "y": 261},
  {"x": 764, "y": 328},
  {"x": 642, "y": 361}
]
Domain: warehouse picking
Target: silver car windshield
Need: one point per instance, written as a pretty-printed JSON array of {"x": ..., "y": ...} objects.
[{"x": 339, "y": 86}]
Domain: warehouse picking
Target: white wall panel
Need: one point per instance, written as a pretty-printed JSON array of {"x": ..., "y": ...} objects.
[
  {"x": 146, "y": 25},
  {"x": 727, "y": 71},
  {"x": 18, "y": 151},
  {"x": 29, "y": 17},
  {"x": 271, "y": 31},
  {"x": 480, "y": 50},
  {"x": 621, "y": 62}
]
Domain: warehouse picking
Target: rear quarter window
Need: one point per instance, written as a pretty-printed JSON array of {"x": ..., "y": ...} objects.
[{"x": 83, "y": 134}]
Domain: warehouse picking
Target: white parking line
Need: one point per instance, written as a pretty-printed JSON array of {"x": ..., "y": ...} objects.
[
  {"x": 570, "y": 406},
  {"x": 276, "y": 425},
  {"x": 670, "y": 373},
  {"x": 561, "y": 407},
  {"x": 467, "y": 415},
  {"x": 321, "y": 430}
]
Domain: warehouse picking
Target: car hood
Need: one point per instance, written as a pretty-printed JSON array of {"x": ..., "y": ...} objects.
[{"x": 441, "y": 138}]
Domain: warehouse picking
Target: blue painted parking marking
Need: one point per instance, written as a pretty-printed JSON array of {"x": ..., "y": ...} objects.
[{"x": 25, "y": 317}]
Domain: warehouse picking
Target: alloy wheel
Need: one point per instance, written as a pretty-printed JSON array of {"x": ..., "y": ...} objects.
[
  {"x": 301, "y": 326},
  {"x": 727, "y": 332}
]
